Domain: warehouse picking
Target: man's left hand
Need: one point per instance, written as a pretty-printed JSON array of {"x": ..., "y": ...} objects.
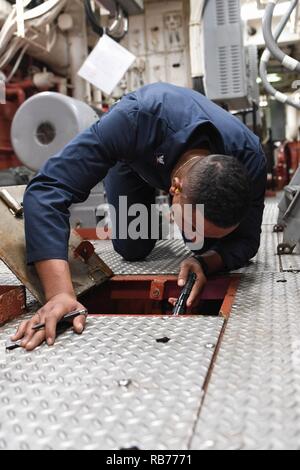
[{"x": 191, "y": 265}]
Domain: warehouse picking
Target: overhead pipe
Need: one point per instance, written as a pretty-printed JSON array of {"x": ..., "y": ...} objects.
[
  {"x": 25, "y": 85},
  {"x": 271, "y": 42},
  {"x": 78, "y": 51},
  {"x": 267, "y": 55},
  {"x": 120, "y": 26},
  {"x": 196, "y": 46}
]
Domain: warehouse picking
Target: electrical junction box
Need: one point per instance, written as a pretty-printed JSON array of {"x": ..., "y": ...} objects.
[
  {"x": 159, "y": 40},
  {"x": 224, "y": 53}
]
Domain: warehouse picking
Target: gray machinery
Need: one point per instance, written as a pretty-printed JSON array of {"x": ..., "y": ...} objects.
[
  {"x": 289, "y": 216},
  {"x": 289, "y": 207},
  {"x": 230, "y": 68},
  {"x": 132, "y": 7},
  {"x": 55, "y": 119}
]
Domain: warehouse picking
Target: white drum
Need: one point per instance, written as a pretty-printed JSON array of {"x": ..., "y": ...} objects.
[{"x": 45, "y": 124}]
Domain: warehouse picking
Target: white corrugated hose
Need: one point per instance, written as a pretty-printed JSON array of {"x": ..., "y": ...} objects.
[{"x": 36, "y": 18}]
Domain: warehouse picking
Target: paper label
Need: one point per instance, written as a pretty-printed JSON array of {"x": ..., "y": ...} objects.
[{"x": 106, "y": 65}]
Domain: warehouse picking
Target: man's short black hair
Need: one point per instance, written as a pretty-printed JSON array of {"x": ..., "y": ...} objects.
[{"x": 222, "y": 184}]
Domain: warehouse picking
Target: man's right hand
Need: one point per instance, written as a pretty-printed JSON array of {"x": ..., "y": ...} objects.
[{"x": 56, "y": 308}]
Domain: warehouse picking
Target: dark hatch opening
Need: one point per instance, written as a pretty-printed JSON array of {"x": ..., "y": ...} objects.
[{"x": 135, "y": 295}]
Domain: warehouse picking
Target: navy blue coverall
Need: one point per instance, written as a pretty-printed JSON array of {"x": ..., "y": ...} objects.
[{"x": 135, "y": 147}]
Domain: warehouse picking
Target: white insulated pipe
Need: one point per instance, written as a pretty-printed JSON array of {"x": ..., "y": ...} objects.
[
  {"x": 78, "y": 51},
  {"x": 196, "y": 45}
]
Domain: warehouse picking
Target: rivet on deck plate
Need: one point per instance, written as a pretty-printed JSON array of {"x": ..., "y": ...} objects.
[{"x": 125, "y": 383}]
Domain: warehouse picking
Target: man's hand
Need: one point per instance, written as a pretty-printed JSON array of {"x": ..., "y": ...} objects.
[
  {"x": 50, "y": 314},
  {"x": 191, "y": 265}
]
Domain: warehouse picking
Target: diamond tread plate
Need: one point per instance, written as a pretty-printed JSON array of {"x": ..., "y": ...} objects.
[
  {"x": 290, "y": 262},
  {"x": 71, "y": 397},
  {"x": 6, "y": 276},
  {"x": 271, "y": 211},
  {"x": 165, "y": 258},
  {"x": 253, "y": 400},
  {"x": 267, "y": 259}
]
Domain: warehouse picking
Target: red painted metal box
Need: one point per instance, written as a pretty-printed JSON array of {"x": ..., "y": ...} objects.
[{"x": 12, "y": 303}]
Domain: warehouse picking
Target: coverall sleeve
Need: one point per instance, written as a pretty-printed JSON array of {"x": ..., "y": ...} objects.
[
  {"x": 241, "y": 246},
  {"x": 68, "y": 178}
]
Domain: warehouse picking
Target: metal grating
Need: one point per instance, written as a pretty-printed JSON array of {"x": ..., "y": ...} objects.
[
  {"x": 114, "y": 387},
  {"x": 253, "y": 401}
]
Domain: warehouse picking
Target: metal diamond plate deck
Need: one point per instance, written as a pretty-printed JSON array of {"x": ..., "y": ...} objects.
[
  {"x": 114, "y": 387},
  {"x": 165, "y": 258},
  {"x": 267, "y": 259},
  {"x": 253, "y": 401},
  {"x": 6, "y": 276},
  {"x": 271, "y": 211},
  {"x": 290, "y": 262}
]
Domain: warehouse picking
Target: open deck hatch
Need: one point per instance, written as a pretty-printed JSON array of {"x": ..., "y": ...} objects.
[{"x": 148, "y": 295}]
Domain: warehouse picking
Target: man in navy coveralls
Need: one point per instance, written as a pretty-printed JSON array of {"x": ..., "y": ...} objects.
[{"x": 159, "y": 137}]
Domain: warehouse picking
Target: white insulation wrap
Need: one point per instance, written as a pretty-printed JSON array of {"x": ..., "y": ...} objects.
[
  {"x": 196, "y": 47},
  {"x": 55, "y": 120}
]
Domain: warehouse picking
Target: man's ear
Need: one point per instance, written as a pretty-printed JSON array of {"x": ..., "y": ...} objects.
[{"x": 176, "y": 187}]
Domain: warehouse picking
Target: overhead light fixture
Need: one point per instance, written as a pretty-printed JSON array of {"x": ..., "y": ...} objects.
[
  {"x": 272, "y": 78},
  {"x": 263, "y": 102}
]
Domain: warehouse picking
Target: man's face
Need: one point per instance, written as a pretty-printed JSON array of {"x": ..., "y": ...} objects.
[{"x": 194, "y": 225}]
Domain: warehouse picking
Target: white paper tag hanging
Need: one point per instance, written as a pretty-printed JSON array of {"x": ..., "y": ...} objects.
[{"x": 106, "y": 65}]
